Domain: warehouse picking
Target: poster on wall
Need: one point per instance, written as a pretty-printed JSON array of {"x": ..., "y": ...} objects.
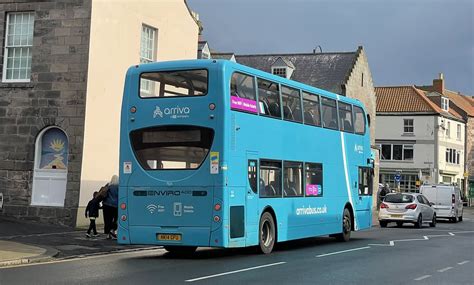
[{"x": 54, "y": 150}]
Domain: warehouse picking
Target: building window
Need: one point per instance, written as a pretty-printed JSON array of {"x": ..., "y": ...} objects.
[
  {"x": 407, "y": 182},
  {"x": 408, "y": 127},
  {"x": 458, "y": 132},
  {"x": 445, "y": 104},
  {"x": 362, "y": 81},
  {"x": 447, "y": 179},
  {"x": 280, "y": 71},
  {"x": 18, "y": 47},
  {"x": 397, "y": 152},
  {"x": 147, "y": 54},
  {"x": 448, "y": 130},
  {"x": 452, "y": 156}
]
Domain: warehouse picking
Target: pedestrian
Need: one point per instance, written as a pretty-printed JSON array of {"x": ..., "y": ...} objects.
[
  {"x": 92, "y": 212},
  {"x": 110, "y": 206}
]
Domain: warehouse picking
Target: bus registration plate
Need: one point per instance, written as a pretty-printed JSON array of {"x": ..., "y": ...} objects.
[{"x": 172, "y": 237}]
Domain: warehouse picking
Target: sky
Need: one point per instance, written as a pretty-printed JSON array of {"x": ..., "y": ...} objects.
[{"x": 407, "y": 42}]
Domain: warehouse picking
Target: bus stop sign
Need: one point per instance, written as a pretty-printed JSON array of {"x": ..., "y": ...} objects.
[{"x": 397, "y": 177}]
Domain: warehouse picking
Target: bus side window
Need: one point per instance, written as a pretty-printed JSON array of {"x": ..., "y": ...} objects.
[
  {"x": 311, "y": 114},
  {"x": 345, "y": 117},
  {"x": 329, "y": 113},
  {"x": 269, "y": 98},
  {"x": 359, "y": 120},
  {"x": 252, "y": 175},
  {"x": 270, "y": 178},
  {"x": 293, "y": 178},
  {"x": 291, "y": 104},
  {"x": 314, "y": 179}
]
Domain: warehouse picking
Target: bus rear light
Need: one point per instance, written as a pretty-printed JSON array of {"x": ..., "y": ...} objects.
[
  {"x": 212, "y": 106},
  {"x": 133, "y": 109},
  {"x": 217, "y": 219},
  {"x": 124, "y": 218},
  {"x": 123, "y": 206},
  {"x": 383, "y": 206},
  {"x": 217, "y": 207},
  {"x": 411, "y": 206}
]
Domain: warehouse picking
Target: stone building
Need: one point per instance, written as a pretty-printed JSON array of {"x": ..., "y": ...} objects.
[{"x": 62, "y": 67}]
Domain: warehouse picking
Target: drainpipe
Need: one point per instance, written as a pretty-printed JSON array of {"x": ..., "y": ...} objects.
[{"x": 436, "y": 148}]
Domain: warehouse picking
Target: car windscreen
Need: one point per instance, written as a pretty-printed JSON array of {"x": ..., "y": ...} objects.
[
  {"x": 171, "y": 147},
  {"x": 174, "y": 83},
  {"x": 399, "y": 198}
]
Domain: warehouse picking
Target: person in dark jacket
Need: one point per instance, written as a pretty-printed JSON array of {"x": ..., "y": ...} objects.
[
  {"x": 110, "y": 203},
  {"x": 92, "y": 212}
]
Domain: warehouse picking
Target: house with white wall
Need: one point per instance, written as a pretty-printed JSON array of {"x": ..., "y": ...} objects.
[{"x": 419, "y": 139}]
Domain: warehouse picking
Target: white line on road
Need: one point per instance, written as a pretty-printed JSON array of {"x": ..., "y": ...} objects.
[
  {"x": 391, "y": 243},
  {"x": 343, "y": 251},
  {"x": 445, "y": 269},
  {"x": 235, "y": 271},
  {"x": 422, "y": 277},
  {"x": 464, "y": 262}
]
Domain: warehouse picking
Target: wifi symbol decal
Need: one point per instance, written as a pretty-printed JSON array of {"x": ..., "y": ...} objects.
[{"x": 152, "y": 208}]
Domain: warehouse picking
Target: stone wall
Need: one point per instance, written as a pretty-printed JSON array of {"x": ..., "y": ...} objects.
[
  {"x": 470, "y": 147},
  {"x": 54, "y": 97}
]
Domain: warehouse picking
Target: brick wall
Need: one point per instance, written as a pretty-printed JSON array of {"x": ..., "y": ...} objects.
[{"x": 54, "y": 97}]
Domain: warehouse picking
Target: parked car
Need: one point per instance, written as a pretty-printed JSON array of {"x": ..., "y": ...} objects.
[
  {"x": 406, "y": 208},
  {"x": 447, "y": 201}
]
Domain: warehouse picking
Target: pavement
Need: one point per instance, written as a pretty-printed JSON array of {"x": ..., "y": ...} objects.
[{"x": 24, "y": 242}]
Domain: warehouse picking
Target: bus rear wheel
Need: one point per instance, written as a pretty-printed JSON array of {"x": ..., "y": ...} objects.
[
  {"x": 346, "y": 227},
  {"x": 266, "y": 233},
  {"x": 180, "y": 250}
]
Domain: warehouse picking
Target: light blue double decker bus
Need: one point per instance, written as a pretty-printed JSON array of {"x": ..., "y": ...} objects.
[{"x": 217, "y": 154}]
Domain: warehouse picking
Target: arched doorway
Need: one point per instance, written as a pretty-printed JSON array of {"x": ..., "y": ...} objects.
[{"x": 50, "y": 168}]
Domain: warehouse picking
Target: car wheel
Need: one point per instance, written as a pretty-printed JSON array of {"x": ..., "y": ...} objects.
[
  {"x": 346, "y": 226},
  {"x": 419, "y": 222},
  {"x": 399, "y": 224},
  {"x": 433, "y": 222},
  {"x": 383, "y": 224},
  {"x": 267, "y": 233}
]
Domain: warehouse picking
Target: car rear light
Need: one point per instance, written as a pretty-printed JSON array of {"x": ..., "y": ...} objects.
[
  {"x": 383, "y": 206},
  {"x": 411, "y": 206},
  {"x": 123, "y": 206},
  {"x": 217, "y": 207},
  {"x": 453, "y": 199}
]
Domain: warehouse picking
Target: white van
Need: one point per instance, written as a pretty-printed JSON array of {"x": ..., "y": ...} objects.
[{"x": 447, "y": 200}]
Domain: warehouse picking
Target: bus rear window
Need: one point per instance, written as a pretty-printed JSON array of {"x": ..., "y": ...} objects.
[
  {"x": 171, "y": 147},
  {"x": 174, "y": 83}
]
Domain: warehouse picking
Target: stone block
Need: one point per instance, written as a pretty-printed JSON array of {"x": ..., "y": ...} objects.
[
  {"x": 59, "y": 67},
  {"x": 63, "y": 49},
  {"x": 73, "y": 40},
  {"x": 58, "y": 32}
]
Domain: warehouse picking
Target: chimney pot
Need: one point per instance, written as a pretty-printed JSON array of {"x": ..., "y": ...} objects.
[
  {"x": 438, "y": 84},
  {"x": 441, "y": 76}
]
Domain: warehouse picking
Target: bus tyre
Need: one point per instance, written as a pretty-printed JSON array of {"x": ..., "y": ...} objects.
[
  {"x": 180, "y": 250},
  {"x": 346, "y": 227},
  {"x": 266, "y": 233}
]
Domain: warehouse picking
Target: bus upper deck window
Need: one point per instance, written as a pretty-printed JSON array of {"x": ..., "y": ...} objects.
[
  {"x": 269, "y": 98},
  {"x": 330, "y": 117},
  {"x": 242, "y": 93},
  {"x": 359, "y": 120},
  {"x": 291, "y": 104},
  {"x": 174, "y": 83}
]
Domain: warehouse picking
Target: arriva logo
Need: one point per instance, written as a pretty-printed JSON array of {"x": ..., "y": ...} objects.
[
  {"x": 157, "y": 112},
  {"x": 173, "y": 113},
  {"x": 358, "y": 148}
]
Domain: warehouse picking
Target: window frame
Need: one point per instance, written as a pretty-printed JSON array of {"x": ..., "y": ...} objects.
[
  {"x": 298, "y": 99},
  {"x": 255, "y": 93},
  {"x": 6, "y": 48},
  {"x": 370, "y": 181},
  {"x": 336, "y": 109},
  {"x": 354, "y": 107},
  {"x": 458, "y": 132},
  {"x": 322, "y": 179},
  {"x": 445, "y": 104},
  {"x": 260, "y": 177},
  {"x": 339, "y": 109},
  {"x": 406, "y": 125},
  {"x": 249, "y": 161},
  {"x": 258, "y": 98},
  {"x": 404, "y": 147},
  {"x": 277, "y": 71},
  {"x": 284, "y": 176},
  {"x": 318, "y": 98}
]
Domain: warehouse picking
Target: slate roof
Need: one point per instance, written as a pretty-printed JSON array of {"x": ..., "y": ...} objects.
[
  {"x": 408, "y": 99},
  {"x": 222, "y": 55},
  {"x": 327, "y": 71}
]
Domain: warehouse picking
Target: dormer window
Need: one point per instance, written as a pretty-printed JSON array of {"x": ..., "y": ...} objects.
[
  {"x": 445, "y": 104},
  {"x": 280, "y": 71}
]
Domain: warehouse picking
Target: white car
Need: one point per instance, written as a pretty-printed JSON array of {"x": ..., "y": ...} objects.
[
  {"x": 406, "y": 208},
  {"x": 447, "y": 201}
]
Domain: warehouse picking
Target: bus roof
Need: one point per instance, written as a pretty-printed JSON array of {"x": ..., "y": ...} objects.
[{"x": 205, "y": 63}]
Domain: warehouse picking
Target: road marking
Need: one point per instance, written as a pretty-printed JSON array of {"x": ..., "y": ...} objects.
[
  {"x": 391, "y": 243},
  {"x": 235, "y": 271},
  {"x": 445, "y": 269},
  {"x": 464, "y": 262},
  {"x": 39, "y": 235},
  {"x": 343, "y": 251},
  {"x": 422, "y": 277}
]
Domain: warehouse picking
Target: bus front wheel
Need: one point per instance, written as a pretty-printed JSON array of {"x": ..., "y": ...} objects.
[
  {"x": 346, "y": 226},
  {"x": 180, "y": 250},
  {"x": 266, "y": 233}
]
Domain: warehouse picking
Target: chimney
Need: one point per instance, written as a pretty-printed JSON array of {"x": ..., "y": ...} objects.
[{"x": 438, "y": 84}]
